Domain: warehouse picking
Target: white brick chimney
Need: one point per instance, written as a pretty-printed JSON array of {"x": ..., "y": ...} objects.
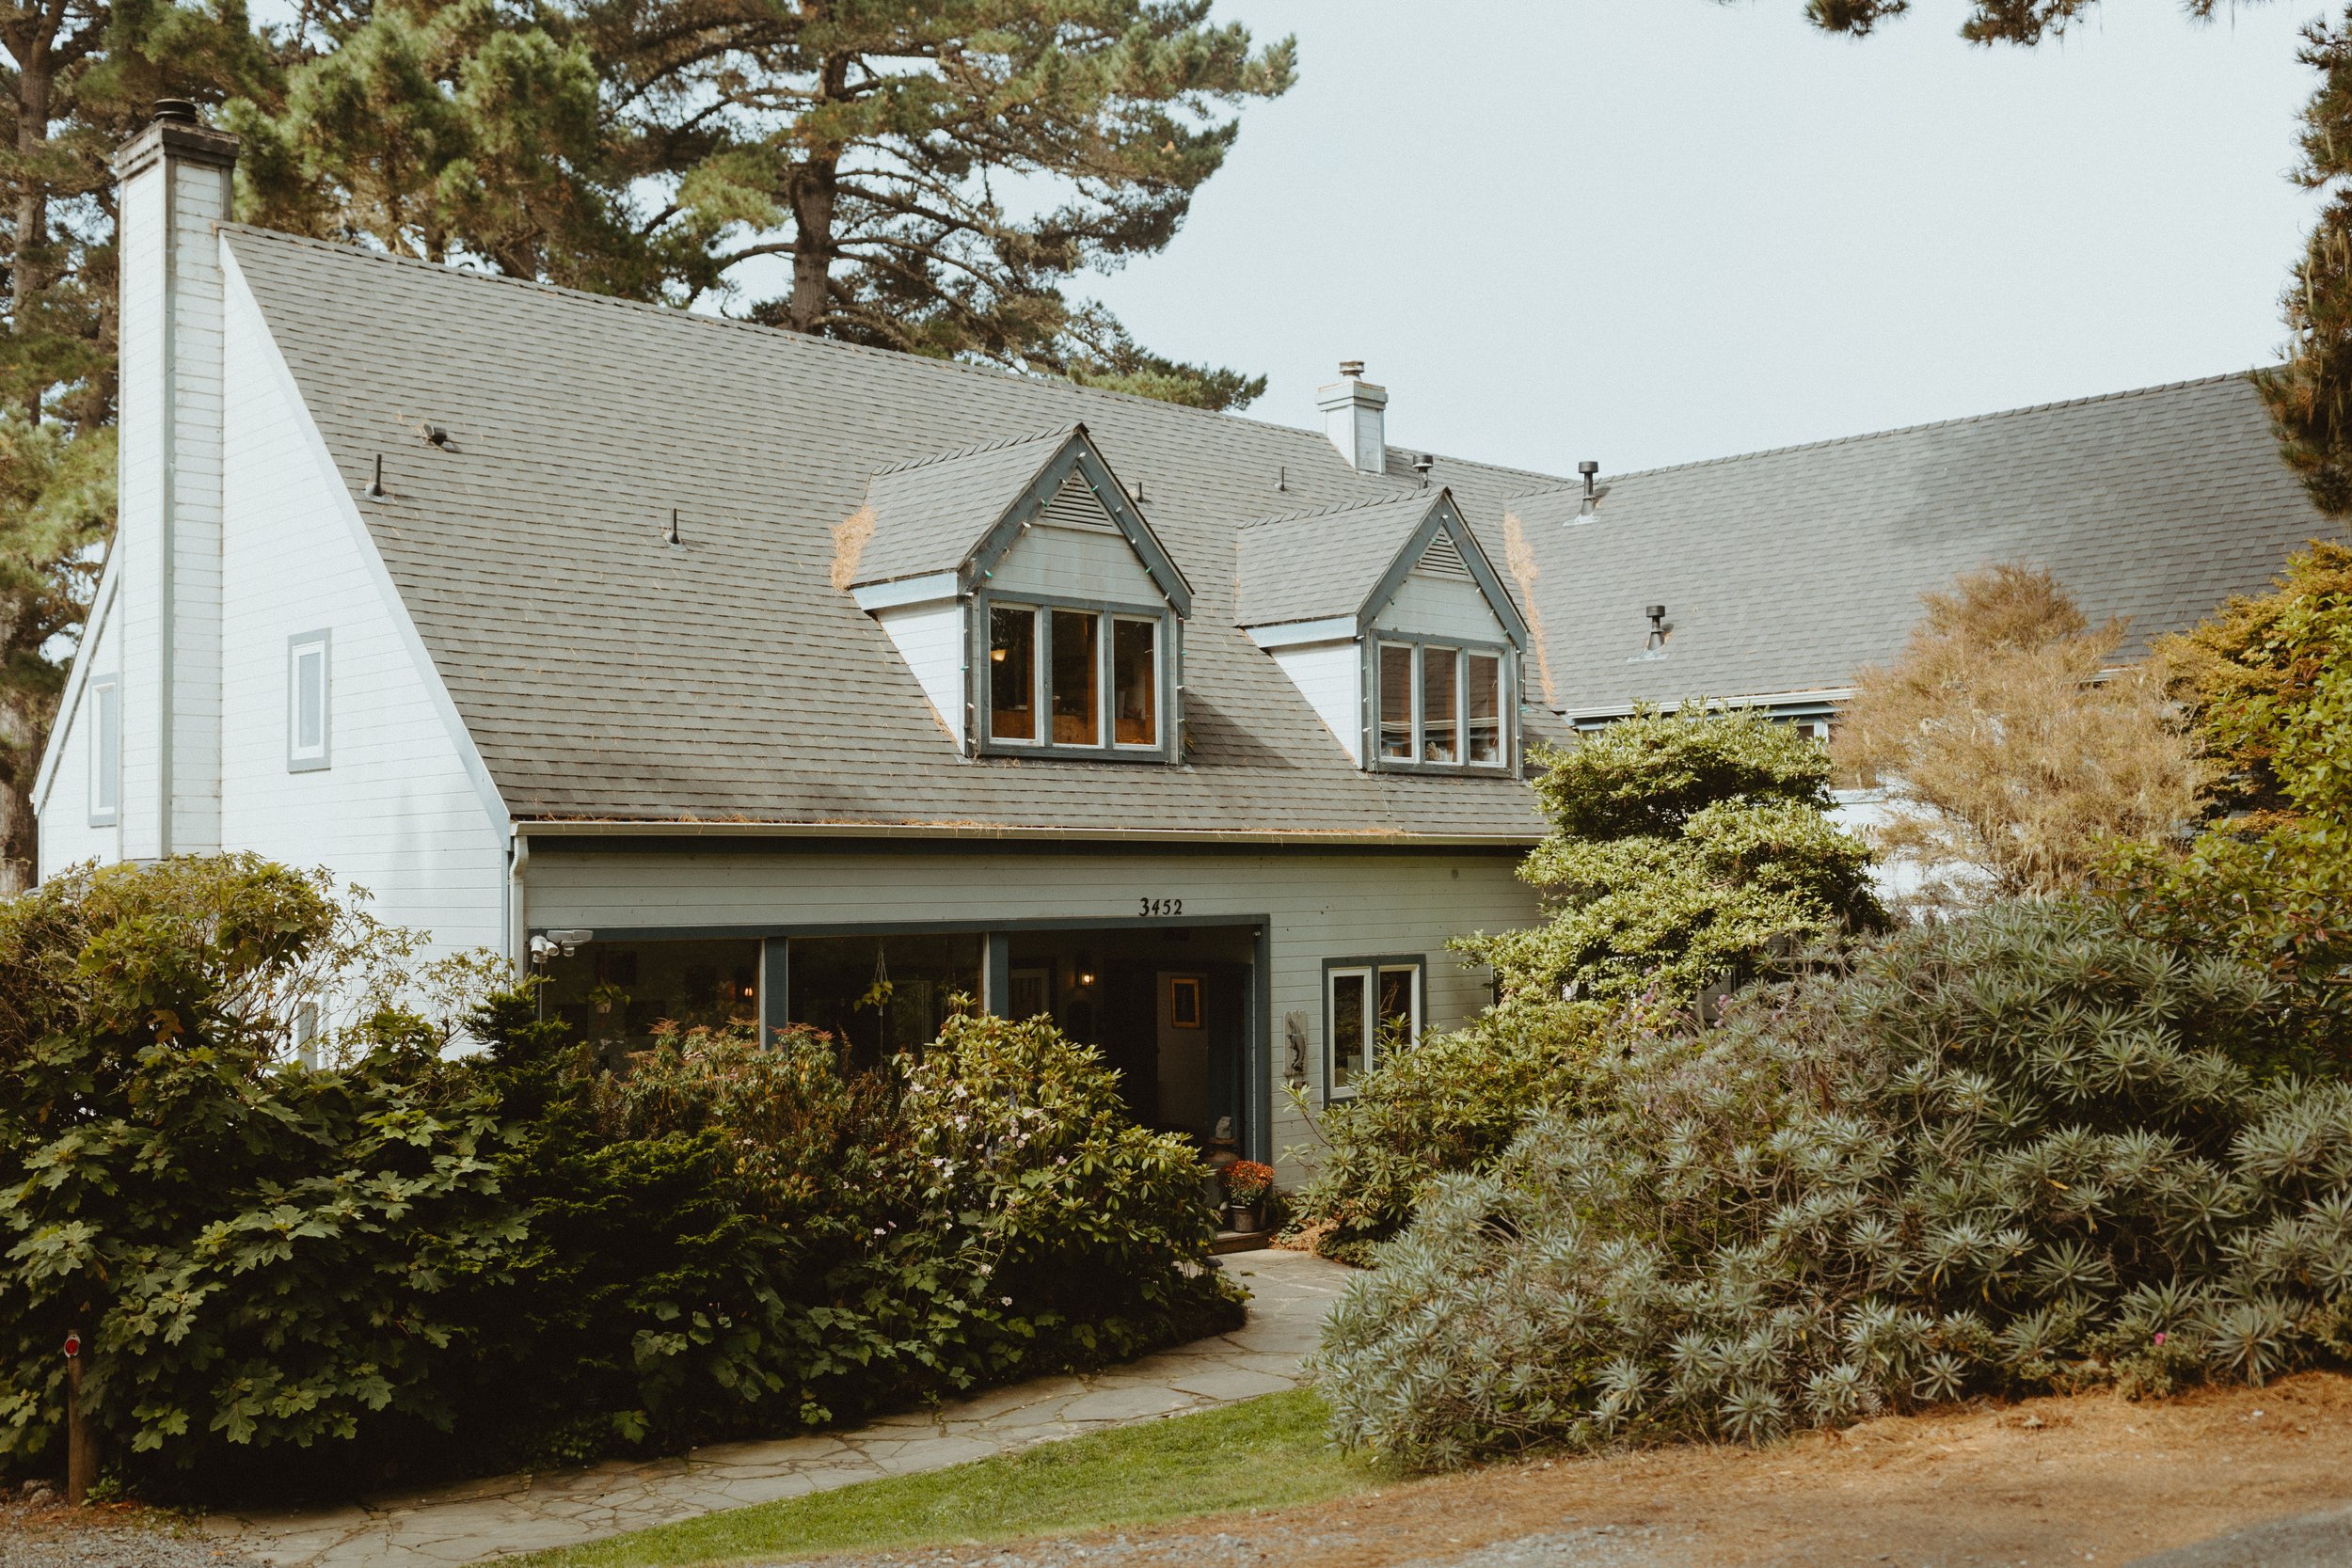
[
  {"x": 175, "y": 180},
  {"x": 1352, "y": 418}
]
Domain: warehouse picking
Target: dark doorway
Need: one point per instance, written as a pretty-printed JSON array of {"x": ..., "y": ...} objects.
[{"x": 1168, "y": 1008}]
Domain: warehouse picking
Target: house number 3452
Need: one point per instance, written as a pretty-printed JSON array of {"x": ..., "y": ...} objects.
[{"x": 1160, "y": 905}]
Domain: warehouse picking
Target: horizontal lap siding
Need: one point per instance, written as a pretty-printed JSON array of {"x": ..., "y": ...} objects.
[
  {"x": 1429, "y": 606},
  {"x": 67, "y": 837},
  {"x": 1322, "y": 905},
  {"x": 395, "y": 812}
]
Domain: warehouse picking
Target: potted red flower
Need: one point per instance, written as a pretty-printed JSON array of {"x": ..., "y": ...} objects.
[{"x": 1247, "y": 1184}]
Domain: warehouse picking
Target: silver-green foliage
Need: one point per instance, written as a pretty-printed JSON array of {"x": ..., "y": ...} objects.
[{"x": 2027, "y": 1152}]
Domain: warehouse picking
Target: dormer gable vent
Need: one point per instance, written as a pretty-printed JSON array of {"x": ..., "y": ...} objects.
[{"x": 1443, "y": 558}]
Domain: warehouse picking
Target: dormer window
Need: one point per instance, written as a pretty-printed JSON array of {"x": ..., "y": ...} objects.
[
  {"x": 1440, "y": 706},
  {"x": 1075, "y": 679},
  {"x": 1036, "y": 606},
  {"x": 1391, "y": 621}
]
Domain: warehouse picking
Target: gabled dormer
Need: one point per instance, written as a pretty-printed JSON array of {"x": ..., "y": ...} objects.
[
  {"x": 1392, "y": 623},
  {"x": 1026, "y": 591}
]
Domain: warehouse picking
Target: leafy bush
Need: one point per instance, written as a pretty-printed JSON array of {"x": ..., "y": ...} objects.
[
  {"x": 1683, "y": 848},
  {"x": 259, "y": 1256},
  {"x": 1450, "y": 1101},
  {"x": 286, "y": 1275},
  {"x": 2023, "y": 1152}
]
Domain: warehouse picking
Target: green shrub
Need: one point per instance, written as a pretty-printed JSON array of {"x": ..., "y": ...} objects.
[
  {"x": 1684, "y": 848},
  {"x": 1450, "y": 1103},
  {"x": 410, "y": 1264},
  {"x": 2024, "y": 1152},
  {"x": 257, "y": 1255}
]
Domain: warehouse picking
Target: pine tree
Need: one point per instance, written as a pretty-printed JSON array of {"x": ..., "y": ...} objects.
[
  {"x": 80, "y": 76},
  {"x": 926, "y": 178}
]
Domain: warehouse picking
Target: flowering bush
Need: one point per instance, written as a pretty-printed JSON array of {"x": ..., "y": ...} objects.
[
  {"x": 2028, "y": 1152},
  {"x": 1247, "y": 1182}
]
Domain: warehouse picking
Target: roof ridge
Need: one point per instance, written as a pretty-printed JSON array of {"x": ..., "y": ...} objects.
[
  {"x": 994, "y": 444},
  {"x": 1898, "y": 430},
  {"x": 1026, "y": 378},
  {"x": 1341, "y": 506}
]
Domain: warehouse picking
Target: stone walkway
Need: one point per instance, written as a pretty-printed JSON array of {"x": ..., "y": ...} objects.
[{"x": 1289, "y": 1293}]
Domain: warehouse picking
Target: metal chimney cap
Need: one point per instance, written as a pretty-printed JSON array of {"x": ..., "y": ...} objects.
[
  {"x": 179, "y": 111},
  {"x": 1350, "y": 368}
]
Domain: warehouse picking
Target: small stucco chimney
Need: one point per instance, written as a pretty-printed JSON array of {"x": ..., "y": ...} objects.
[
  {"x": 176, "y": 185},
  {"x": 1352, "y": 418}
]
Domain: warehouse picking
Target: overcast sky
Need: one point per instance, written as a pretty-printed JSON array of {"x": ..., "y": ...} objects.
[{"x": 1652, "y": 230}]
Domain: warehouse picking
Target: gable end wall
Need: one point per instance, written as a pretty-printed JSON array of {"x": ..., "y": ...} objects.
[{"x": 396, "y": 810}]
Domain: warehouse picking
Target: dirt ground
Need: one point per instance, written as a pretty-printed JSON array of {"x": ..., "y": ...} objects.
[{"x": 2093, "y": 1479}]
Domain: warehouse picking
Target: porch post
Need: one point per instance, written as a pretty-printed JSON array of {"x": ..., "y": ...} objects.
[
  {"x": 774, "y": 976},
  {"x": 996, "y": 973}
]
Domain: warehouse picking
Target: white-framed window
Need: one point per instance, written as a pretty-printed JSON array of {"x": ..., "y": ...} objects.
[
  {"x": 1075, "y": 678},
  {"x": 310, "y": 695},
  {"x": 1369, "y": 1005},
  {"x": 1440, "y": 706},
  {"x": 106, "y": 751}
]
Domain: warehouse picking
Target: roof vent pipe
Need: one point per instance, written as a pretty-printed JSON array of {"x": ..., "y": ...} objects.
[{"x": 1354, "y": 418}]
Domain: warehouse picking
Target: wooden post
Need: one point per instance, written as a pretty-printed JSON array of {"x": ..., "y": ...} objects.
[{"x": 81, "y": 1437}]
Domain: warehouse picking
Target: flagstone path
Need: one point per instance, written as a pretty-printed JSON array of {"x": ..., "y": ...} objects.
[{"x": 1289, "y": 1293}]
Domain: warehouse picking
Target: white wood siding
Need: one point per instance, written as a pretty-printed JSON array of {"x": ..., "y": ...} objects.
[
  {"x": 1330, "y": 675},
  {"x": 1074, "y": 563},
  {"x": 1322, "y": 905},
  {"x": 396, "y": 811},
  {"x": 1436, "y": 607},
  {"x": 929, "y": 637},
  {"x": 67, "y": 837}
]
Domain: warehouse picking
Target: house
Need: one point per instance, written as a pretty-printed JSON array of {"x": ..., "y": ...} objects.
[{"x": 719, "y": 671}]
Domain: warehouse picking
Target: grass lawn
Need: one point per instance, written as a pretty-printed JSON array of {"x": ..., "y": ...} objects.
[{"x": 1266, "y": 1452}]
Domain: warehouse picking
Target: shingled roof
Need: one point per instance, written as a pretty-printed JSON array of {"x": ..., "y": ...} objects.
[
  {"x": 606, "y": 675},
  {"x": 1785, "y": 572}
]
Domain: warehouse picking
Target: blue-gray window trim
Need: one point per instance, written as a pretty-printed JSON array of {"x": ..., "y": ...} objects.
[
  {"x": 1445, "y": 516},
  {"x": 323, "y": 640},
  {"x": 1080, "y": 455},
  {"x": 1417, "y": 962},
  {"x": 1507, "y": 697},
  {"x": 977, "y": 706},
  {"x": 102, "y": 722}
]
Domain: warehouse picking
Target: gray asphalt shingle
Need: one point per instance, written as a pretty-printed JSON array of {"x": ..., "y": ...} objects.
[{"x": 607, "y": 675}]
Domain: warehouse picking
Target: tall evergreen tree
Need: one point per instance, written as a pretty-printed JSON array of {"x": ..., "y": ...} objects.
[
  {"x": 79, "y": 76},
  {"x": 2309, "y": 392},
  {"x": 921, "y": 178}
]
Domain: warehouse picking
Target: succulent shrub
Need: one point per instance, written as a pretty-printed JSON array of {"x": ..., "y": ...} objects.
[
  {"x": 1450, "y": 1101},
  {"x": 2023, "y": 1152}
]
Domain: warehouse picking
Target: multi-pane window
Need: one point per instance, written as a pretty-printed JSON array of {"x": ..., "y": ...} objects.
[
  {"x": 1095, "y": 675},
  {"x": 1370, "y": 1007},
  {"x": 1134, "y": 681},
  {"x": 1442, "y": 706},
  {"x": 1012, "y": 673},
  {"x": 307, "y": 692},
  {"x": 1396, "y": 701},
  {"x": 106, "y": 751}
]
